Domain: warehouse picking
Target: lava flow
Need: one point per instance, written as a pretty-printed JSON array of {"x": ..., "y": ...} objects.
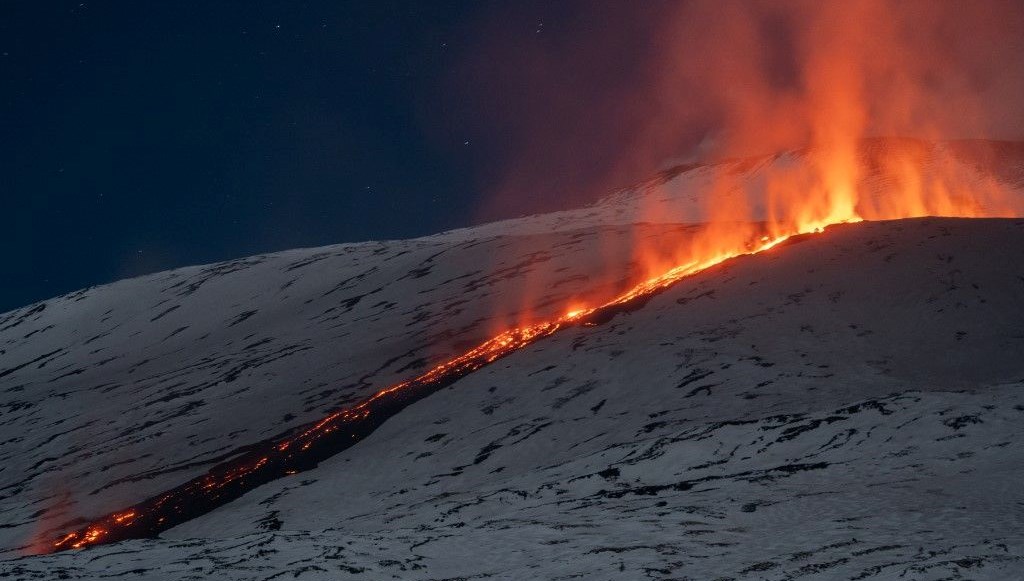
[{"x": 315, "y": 442}]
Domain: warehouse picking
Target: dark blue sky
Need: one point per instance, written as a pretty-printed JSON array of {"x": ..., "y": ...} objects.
[{"x": 141, "y": 136}]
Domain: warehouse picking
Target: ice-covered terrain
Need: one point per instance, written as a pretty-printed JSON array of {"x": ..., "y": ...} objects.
[{"x": 849, "y": 405}]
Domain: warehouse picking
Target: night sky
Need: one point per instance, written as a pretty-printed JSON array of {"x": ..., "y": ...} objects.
[{"x": 142, "y": 136}]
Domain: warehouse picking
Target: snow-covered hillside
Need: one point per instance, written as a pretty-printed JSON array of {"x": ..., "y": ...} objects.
[{"x": 844, "y": 406}]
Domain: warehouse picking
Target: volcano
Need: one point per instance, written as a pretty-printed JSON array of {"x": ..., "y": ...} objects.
[{"x": 832, "y": 402}]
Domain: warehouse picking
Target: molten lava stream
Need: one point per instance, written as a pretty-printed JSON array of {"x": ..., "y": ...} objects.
[{"x": 307, "y": 446}]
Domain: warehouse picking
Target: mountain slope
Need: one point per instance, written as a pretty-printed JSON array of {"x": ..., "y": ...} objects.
[{"x": 843, "y": 405}]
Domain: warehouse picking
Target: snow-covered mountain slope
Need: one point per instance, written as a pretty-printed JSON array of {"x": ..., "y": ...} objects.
[{"x": 847, "y": 405}]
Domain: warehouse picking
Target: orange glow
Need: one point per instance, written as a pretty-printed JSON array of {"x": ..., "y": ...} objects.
[{"x": 855, "y": 70}]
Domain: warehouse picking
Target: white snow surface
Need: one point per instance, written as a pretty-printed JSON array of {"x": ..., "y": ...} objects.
[{"x": 846, "y": 406}]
